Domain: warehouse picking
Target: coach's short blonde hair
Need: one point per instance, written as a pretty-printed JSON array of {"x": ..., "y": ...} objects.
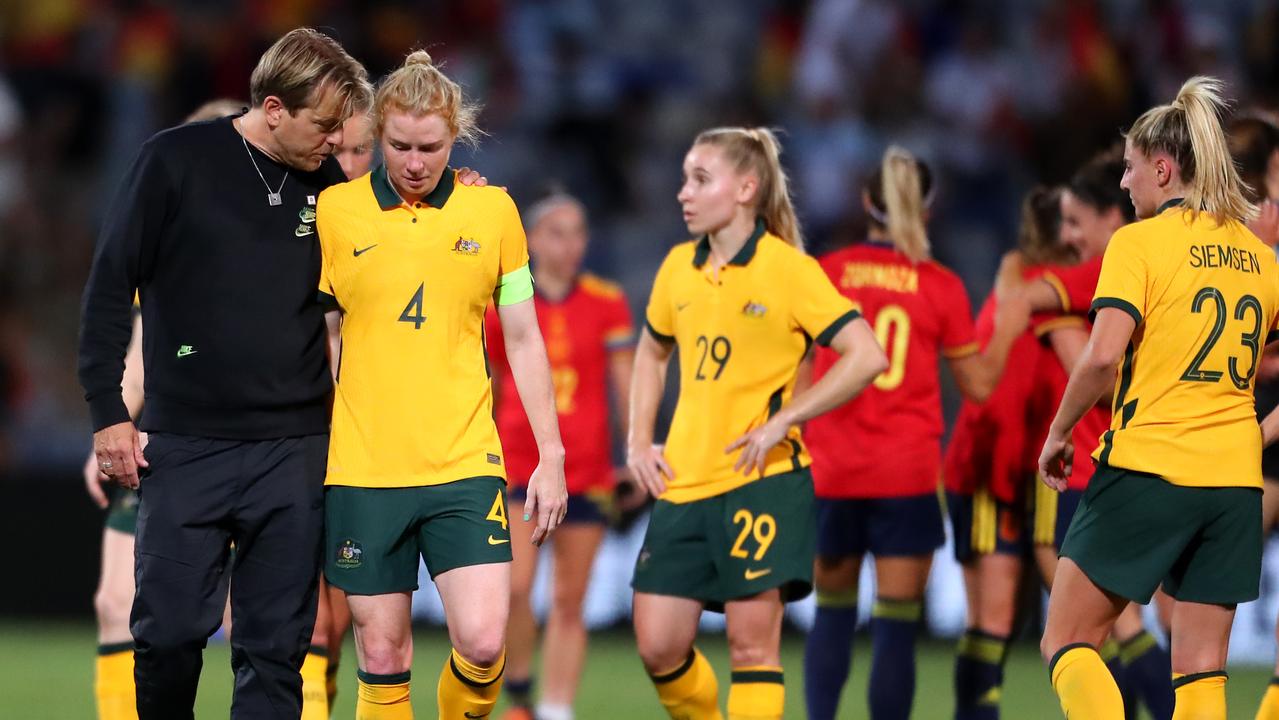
[
  {"x": 419, "y": 88},
  {"x": 302, "y": 63}
]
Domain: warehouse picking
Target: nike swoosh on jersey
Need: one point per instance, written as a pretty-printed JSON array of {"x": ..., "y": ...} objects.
[
  {"x": 358, "y": 253},
  {"x": 757, "y": 574},
  {"x": 495, "y": 541}
]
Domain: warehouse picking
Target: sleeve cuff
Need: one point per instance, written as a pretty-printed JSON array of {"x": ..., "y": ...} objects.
[
  {"x": 825, "y": 337},
  {"x": 1058, "y": 287},
  {"x": 1047, "y": 326},
  {"x": 327, "y": 301},
  {"x": 658, "y": 335},
  {"x": 960, "y": 351},
  {"x": 1118, "y": 304},
  {"x": 108, "y": 409},
  {"x": 514, "y": 287},
  {"x": 620, "y": 339}
]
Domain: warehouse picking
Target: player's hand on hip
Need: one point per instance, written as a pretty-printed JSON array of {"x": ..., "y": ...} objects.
[
  {"x": 649, "y": 468},
  {"x": 1056, "y": 462},
  {"x": 547, "y": 499},
  {"x": 93, "y": 479},
  {"x": 118, "y": 450},
  {"x": 755, "y": 446}
]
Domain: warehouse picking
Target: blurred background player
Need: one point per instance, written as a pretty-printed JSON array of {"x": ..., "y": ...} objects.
[
  {"x": 411, "y": 260},
  {"x": 1254, "y": 145},
  {"x": 731, "y": 530},
  {"x": 590, "y": 344},
  {"x": 988, "y": 465},
  {"x": 1176, "y": 496},
  {"x": 113, "y": 678},
  {"x": 883, "y": 498},
  {"x": 1093, "y": 208}
]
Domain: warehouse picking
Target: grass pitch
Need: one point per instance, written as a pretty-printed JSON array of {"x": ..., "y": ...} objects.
[{"x": 48, "y": 675}]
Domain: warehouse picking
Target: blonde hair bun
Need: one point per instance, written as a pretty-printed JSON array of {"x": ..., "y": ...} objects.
[{"x": 419, "y": 57}]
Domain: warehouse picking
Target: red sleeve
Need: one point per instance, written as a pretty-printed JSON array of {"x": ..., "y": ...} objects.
[
  {"x": 1075, "y": 284},
  {"x": 958, "y": 338},
  {"x": 619, "y": 328}
]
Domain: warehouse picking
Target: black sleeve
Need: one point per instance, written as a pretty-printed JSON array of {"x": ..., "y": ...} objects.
[{"x": 134, "y": 221}]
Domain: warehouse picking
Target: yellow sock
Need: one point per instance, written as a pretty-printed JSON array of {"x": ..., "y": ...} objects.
[
  {"x": 1084, "y": 685},
  {"x": 1269, "y": 709},
  {"x": 331, "y": 683},
  {"x": 467, "y": 690},
  {"x": 113, "y": 683},
  {"x": 383, "y": 697},
  {"x": 757, "y": 693},
  {"x": 315, "y": 698},
  {"x": 1200, "y": 696},
  {"x": 690, "y": 691}
]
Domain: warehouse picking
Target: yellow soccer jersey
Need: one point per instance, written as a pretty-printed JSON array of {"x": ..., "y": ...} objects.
[
  {"x": 413, "y": 403},
  {"x": 741, "y": 337},
  {"x": 1205, "y": 298}
]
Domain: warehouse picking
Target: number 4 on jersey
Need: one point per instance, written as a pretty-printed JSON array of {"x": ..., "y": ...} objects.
[{"x": 413, "y": 311}]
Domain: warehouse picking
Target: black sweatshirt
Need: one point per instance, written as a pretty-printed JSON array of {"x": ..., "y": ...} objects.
[{"x": 233, "y": 337}]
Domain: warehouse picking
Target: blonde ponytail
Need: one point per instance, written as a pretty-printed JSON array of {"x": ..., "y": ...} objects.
[
  {"x": 757, "y": 150},
  {"x": 904, "y": 204},
  {"x": 1190, "y": 131},
  {"x": 899, "y": 193}
]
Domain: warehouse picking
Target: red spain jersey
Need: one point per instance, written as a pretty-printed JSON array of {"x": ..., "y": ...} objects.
[
  {"x": 580, "y": 332},
  {"x": 1075, "y": 286},
  {"x": 886, "y": 442},
  {"x": 991, "y": 445}
]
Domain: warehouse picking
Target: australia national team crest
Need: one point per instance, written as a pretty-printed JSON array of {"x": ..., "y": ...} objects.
[
  {"x": 754, "y": 309},
  {"x": 350, "y": 555},
  {"x": 466, "y": 246}
]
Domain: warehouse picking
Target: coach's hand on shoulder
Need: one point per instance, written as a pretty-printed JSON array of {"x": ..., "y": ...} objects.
[
  {"x": 547, "y": 497},
  {"x": 469, "y": 177},
  {"x": 649, "y": 468},
  {"x": 1057, "y": 460},
  {"x": 118, "y": 450}
]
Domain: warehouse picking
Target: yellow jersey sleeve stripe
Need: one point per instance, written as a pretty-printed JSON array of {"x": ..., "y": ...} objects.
[
  {"x": 1060, "y": 288},
  {"x": 514, "y": 287},
  {"x": 1047, "y": 327},
  {"x": 1118, "y": 304},
  {"x": 327, "y": 301},
  {"x": 825, "y": 337},
  {"x": 960, "y": 351}
]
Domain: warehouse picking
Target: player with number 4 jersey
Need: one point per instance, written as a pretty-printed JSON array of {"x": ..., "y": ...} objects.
[
  {"x": 411, "y": 259},
  {"x": 877, "y": 458}
]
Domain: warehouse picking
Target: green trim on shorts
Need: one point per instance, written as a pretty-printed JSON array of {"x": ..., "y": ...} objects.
[
  {"x": 374, "y": 536},
  {"x": 122, "y": 513},
  {"x": 1134, "y": 531}
]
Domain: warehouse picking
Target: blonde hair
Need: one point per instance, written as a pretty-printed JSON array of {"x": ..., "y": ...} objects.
[
  {"x": 1190, "y": 131},
  {"x": 757, "y": 150},
  {"x": 213, "y": 109},
  {"x": 419, "y": 88},
  {"x": 303, "y": 63},
  {"x": 899, "y": 192}
]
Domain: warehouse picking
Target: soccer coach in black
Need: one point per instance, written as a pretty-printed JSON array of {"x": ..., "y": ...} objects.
[{"x": 214, "y": 227}]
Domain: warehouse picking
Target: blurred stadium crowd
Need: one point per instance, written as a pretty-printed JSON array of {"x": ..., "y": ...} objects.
[{"x": 601, "y": 97}]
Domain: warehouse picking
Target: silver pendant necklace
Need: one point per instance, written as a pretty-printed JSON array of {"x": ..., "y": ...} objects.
[{"x": 272, "y": 198}]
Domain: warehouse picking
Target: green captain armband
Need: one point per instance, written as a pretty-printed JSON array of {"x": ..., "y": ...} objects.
[{"x": 514, "y": 287}]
